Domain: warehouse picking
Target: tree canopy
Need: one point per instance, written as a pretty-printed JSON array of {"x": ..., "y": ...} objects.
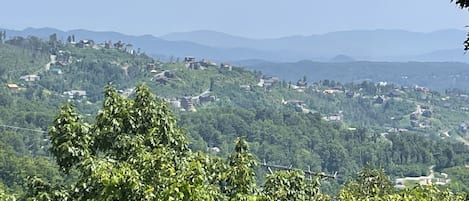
[{"x": 135, "y": 151}]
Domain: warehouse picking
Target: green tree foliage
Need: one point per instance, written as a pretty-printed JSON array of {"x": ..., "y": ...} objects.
[
  {"x": 370, "y": 183},
  {"x": 240, "y": 177},
  {"x": 292, "y": 185},
  {"x": 134, "y": 151}
]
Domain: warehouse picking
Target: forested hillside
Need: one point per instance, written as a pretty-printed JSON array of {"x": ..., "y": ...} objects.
[
  {"x": 325, "y": 127},
  {"x": 435, "y": 75}
]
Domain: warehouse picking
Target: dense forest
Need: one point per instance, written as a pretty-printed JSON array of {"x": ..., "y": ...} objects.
[{"x": 328, "y": 138}]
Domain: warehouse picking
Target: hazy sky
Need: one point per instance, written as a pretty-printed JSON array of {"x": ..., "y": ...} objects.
[{"x": 251, "y": 18}]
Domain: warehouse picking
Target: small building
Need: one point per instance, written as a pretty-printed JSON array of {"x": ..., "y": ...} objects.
[
  {"x": 161, "y": 79},
  {"x": 129, "y": 48},
  {"x": 63, "y": 58},
  {"x": 189, "y": 59},
  {"x": 169, "y": 74},
  {"x": 206, "y": 63},
  {"x": 175, "y": 103},
  {"x": 75, "y": 94},
  {"x": 422, "y": 89},
  {"x": 206, "y": 99},
  {"x": 187, "y": 105},
  {"x": 301, "y": 84},
  {"x": 448, "y": 105},
  {"x": 30, "y": 78},
  {"x": 108, "y": 45},
  {"x": 427, "y": 113},
  {"x": 214, "y": 149},
  {"x": 56, "y": 71},
  {"x": 425, "y": 124},
  {"x": 463, "y": 127},
  {"x": 379, "y": 100},
  {"x": 227, "y": 67},
  {"x": 119, "y": 45},
  {"x": 329, "y": 91},
  {"x": 151, "y": 66},
  {"x": 268, "y": 83},
  {"x": 268, "y": 77},
  {"x": 13, "y": 87},
  {"x": 296, "y": 103},
  {"x": 393, "y": 94},
  {"x": 194, "y": 65},
  {"x": 335, "y": 117},
  {"x": 85, "y": 43},
  {"x": 245, "y": 87},
  {"x": 350, "y": 94}
]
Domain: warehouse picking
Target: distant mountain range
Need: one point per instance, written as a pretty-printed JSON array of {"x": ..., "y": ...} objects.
[{"x": 360, "y": 45}]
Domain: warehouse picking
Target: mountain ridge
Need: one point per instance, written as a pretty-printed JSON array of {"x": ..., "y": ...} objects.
[{"x": 373, "y": 45}]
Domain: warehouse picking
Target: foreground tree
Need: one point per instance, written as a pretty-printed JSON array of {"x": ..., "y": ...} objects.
[
  {"x": 240, "y": 177},
  {"x": 292, "y": 185},
  {"x": 134, "y": 151}
]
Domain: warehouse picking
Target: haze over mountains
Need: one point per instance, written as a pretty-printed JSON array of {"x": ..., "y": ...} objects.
[{"x": 369, "y": 45}]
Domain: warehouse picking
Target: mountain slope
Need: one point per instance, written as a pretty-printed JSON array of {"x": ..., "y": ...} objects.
[{"x": 436, "y": 75}]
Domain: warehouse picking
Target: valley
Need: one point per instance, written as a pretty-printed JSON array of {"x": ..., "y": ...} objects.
[{"x": 294, "y": 120}]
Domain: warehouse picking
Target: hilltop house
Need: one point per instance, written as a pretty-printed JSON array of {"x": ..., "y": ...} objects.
[
  {"x": 189, "y": 59},
  {"x": 129, "y": 48},
  {"x": 194, "y": 65},
  {"x": 301, "y": 84},
  {"x": 119, "y": 45},
  {"x": 227, "y": 67},
  {"x": 85, "y": 43},
  {"x": 422, "y": 89}
]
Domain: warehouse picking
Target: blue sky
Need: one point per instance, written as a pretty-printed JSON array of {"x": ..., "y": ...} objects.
[{"x": 250, "y": 18}]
